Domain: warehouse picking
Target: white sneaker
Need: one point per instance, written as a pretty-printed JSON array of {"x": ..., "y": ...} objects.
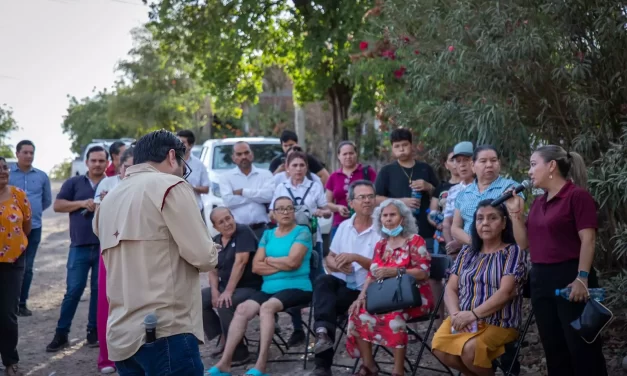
[{"x": 107, "y": 370}]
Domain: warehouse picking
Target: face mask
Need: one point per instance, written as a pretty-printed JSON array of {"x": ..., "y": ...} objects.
[{"x": 393, "y": 232}]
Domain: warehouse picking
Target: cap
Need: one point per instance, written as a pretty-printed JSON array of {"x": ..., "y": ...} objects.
[{"x": 464, "y": 148}]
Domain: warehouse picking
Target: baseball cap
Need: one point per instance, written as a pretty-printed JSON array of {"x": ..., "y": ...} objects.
[{"x": 464, "y": 148}]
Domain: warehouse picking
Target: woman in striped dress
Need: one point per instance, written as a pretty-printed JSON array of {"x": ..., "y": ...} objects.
[{"x": 483, "y": 295}]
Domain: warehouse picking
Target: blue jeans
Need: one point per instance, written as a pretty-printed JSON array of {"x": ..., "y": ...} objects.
[
  {"x": 80, "y": 260},
  {"x": 175, "y": 355},
  {"x": 316, "y": 271},
  {"x": 34, "y": 238}
]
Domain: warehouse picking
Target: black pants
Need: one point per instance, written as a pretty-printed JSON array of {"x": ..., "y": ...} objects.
[
  {"x": 11, "y": 276},
  {"x": 331, "y": 298},
  {"x": 566, "y": 353}
]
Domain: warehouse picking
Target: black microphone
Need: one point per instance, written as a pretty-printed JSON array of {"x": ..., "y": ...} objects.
[{"x": 509, "y": 194}]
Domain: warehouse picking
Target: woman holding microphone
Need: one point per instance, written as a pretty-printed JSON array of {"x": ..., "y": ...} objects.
[{"x": 560, "y": 233}]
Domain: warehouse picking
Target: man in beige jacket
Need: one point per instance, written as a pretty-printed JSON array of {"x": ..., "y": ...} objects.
[{"x": 154, "y": 245}]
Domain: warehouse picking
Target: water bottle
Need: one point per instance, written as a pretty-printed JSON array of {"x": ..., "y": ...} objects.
[
  {"x": 314, "y": 224},
  {"x": 597, "y": 294},
  {"x": 417, "y": 195},
  {"x": 351, "y": 281},
  {"x": 150, "y": 323}
]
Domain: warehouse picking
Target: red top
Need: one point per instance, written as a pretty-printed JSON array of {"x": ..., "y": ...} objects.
[
  {"x": 553, "y": 226},
  {"x": 338, "y": 183},
  {"x": 110, "y": 171}
]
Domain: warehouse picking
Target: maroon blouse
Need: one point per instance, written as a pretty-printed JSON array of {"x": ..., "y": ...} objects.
[{"x": 553, "y": 226}]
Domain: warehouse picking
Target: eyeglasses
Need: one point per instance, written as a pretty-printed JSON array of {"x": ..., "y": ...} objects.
[
  {"x": 186, "y": 169},
  {"x": 284, "y": 210},
  {"x": 365, "y": 197}
]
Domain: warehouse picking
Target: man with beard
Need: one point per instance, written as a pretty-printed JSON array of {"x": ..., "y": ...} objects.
[
  {"x": 247, "y": 190},
  {"x": 76, "y": 197},
  {"x": 349, "y": 261}
]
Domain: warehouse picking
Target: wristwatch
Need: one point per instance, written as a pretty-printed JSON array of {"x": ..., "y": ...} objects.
[{"x": 583, "y": 274}]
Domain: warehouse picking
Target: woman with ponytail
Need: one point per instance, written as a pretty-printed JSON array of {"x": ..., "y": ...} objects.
[{"x": 560, "y": 233}]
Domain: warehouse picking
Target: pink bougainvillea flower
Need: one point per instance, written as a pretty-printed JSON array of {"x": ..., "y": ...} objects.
[
  {"x": 400, "y": 72},
  {"x": 363, "y": 45},
  {"x": 405, "y": 39},
  {"x": 451, "y": 48},
  {"x": 388, "y": 54},
  {"x": 417, "y": 52}
]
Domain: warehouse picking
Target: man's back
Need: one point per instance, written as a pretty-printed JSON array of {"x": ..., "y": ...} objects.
[{"x": 153, "y": 244}]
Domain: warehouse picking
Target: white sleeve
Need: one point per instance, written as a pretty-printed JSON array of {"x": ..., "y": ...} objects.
[
  {"x": 264, "y": 193},
  {"x": 226, "y": 191},
  {"x": 103, "y": 187}
]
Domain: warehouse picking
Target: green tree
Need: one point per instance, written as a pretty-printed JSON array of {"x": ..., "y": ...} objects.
[
  {"x": 513, "y": 74},
  {"x": 7, "y": 125},
  {"x": 157, "y": 91},
  {"x": 232, "y": 42}
]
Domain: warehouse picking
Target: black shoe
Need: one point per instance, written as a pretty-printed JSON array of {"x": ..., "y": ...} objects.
[
  {"x": 321, "y": 371},
  {"x": 58, "y": 342},
  {"x": 323, "y": 343},
  {"x": 22, "y": 311},
  {"x": 297, "y": 338},
  {"x": 92, "y": 338}
]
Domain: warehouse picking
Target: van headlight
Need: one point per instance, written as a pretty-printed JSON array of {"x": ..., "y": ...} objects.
[{"x": 215, "y": 189}]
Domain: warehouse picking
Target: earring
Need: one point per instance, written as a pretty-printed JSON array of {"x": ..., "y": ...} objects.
[{"x": 551, "y": 176}]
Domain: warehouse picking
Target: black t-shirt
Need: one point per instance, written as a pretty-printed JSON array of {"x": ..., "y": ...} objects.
[
  {"x": 441, "y": 193},
  {"x": 244, "y": 240},
  {"x": 393, "y": 182},
  {"x": 315, "y": 166}
]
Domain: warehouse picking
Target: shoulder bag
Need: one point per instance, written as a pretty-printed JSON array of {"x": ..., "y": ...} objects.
[{"x": 393, "y": 294}]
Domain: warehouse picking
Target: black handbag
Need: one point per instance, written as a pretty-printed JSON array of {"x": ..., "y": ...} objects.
[
  {"x": 594, "y": 318},
  {"x": 393, "y": 294}
]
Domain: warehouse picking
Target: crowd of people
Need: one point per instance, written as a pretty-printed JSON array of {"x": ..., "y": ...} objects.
[{"x": 136, "y": 229}]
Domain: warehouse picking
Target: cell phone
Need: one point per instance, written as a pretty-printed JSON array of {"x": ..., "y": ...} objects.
[{"x": 472, "y": 330}]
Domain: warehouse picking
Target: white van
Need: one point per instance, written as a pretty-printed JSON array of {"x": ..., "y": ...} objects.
[{"x": 216, "y": 156}]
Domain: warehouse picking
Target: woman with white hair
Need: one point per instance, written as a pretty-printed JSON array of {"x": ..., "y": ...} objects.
[{"x": 400, "y": 250}]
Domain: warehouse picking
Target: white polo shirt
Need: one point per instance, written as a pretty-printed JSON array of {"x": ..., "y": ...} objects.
[{"x": 348, "y": 240}]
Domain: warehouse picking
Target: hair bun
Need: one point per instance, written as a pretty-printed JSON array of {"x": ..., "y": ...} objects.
[{"x": 568, "y": 155}]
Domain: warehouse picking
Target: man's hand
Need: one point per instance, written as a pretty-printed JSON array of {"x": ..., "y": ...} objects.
[
  {"x": 413, "y": 203},
  {"x": 421, "y": 185},
  {"x": 89, "y": 205},
  {"x": 344, "y": 259},
  {"x": 343, "y": 210},
  {"x": 453, "y": 247},
  {"x": 215, "y": 297},
  {"x": 238, "y": 192},
  {"x": 225, "y": 299}
]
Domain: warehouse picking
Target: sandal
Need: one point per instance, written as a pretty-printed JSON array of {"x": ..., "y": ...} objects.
[
  {"x": 255, "y": 372},
  {"x": 365, "y": 371},
  {"x": 215, "y": 371},
  {"x": 412, "y": 338}
]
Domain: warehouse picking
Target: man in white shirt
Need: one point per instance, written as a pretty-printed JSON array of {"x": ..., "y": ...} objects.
[
  {"x": 199, "y": 176},
  {"x": 246, "y": 190},
  {"x": 349, "y": 260}
]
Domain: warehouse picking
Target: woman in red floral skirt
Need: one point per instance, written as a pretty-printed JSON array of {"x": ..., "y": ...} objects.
[{"x": 400, "y": 249}]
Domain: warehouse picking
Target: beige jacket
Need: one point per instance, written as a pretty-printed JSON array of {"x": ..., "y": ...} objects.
[{"x": 154, "y": 243}]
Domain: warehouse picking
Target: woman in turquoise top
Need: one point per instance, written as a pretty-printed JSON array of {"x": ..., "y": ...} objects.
[{"x": 283, "y": 259}]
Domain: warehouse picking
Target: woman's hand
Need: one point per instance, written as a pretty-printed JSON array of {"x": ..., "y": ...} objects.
[
  {"x": 343, "y": 211},
  {"x": 357, "y": 305},
  {"x": 461, "y": 320},
  {"x": 514, "y": 204},
  {"x": 326, "y": 213},
  {"x": 579, "y": 291},
  {"x": 382, "y": 273}
]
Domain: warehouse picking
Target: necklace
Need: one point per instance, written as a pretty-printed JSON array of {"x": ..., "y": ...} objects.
[{"x": 409, "y": 176}]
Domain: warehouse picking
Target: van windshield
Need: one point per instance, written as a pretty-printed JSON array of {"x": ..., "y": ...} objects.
[{"x": 264, "y": 154}]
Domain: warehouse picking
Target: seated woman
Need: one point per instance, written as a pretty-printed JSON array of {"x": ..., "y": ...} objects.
[
  {"x": 483, "y": 295},
  {"x": 400, "y": 249},
  {"x": 283, "y": 259}
]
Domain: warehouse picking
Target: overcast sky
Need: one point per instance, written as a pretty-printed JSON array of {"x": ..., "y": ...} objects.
[{"x": 52, "y": 48}]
